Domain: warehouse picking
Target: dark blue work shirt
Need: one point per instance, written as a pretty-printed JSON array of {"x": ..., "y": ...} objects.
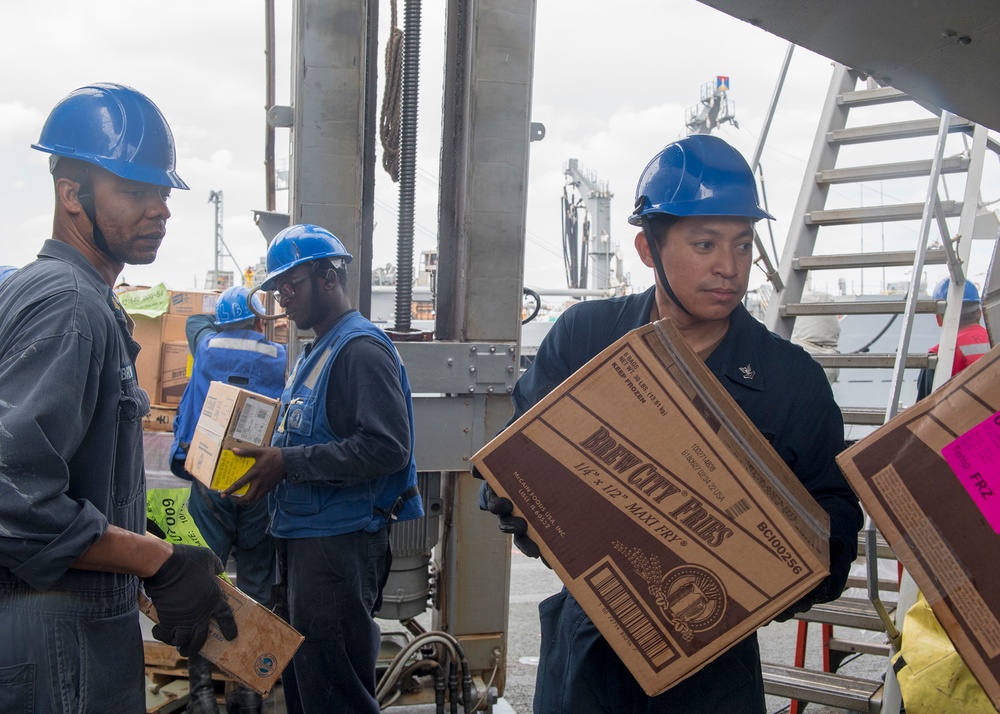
[
  {"x": 71, "y": 453},
  {"x": 786, "y": 395}
]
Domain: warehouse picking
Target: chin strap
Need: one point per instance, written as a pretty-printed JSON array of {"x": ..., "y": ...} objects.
[
  {"x": 658, "y": 263},
  {"x": 85, "y": 195}
]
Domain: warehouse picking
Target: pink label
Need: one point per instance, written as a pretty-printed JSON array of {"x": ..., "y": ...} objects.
[{"x": 975, "y": 459}]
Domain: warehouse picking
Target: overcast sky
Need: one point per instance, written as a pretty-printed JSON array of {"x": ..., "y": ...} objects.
[{"x": 612, "y": 82}]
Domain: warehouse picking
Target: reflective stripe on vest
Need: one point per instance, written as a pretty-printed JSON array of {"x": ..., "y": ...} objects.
[
  {"x": 239, "y": 343},
  {"x": 977, "y": 349}
]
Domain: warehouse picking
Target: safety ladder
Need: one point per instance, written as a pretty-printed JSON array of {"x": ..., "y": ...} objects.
[{"x": 819, "y": 234}]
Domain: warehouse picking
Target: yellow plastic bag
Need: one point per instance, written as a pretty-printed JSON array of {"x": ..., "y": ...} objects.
[
  {"x": 167, "y": 508},
  {"x": 933, "y": 679}
]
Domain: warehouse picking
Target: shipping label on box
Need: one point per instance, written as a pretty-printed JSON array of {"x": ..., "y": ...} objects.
[
  {"x": 263, "y": 646},
  {"x": 930, "y": 479},
  {"x": 193, "y": 302},
  {"x": 231, "y": 417},
  {"x": 670, "y": 519}
]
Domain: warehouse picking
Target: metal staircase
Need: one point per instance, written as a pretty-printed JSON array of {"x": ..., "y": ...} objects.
[{"x": 823, "y": 237}]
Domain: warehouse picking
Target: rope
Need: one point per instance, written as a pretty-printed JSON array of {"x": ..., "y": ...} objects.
[{"x": 390, "y": 120}]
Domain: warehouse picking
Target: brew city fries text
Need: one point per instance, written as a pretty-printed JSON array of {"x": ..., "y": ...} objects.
[{"x": 648, "y": 481}]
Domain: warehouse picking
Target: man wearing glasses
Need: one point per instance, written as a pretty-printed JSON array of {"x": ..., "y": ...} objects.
[{"x": 340, "y": 470}]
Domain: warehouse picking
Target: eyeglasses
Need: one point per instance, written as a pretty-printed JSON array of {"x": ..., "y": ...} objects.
[{"x": 286, "y": 290}]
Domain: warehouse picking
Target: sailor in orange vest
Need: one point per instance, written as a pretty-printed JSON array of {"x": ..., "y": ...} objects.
[{"x": 972, "y": 342}]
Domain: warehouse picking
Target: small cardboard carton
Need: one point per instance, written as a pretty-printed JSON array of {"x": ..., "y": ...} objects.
[
  {"x": 193, "y": 302},
  {"x": 263, "y": 646},
  {"x": 175, "y": 371},
  {"x": 232, "y": 417},
  {"x": 667, "y": 515},
  {"x": 930, "y": 479},
  {"x": 160, "y": 418}
]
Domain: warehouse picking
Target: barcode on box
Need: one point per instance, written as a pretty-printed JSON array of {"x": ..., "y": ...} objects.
[{"x": 613, "y": 592}]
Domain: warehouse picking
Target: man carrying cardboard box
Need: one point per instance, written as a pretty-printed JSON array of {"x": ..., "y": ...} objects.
[
  {"x": 72, "y": 485},
  {"x": 230, "y": 349},
  {"x": 696, "y": 205},
  {"x": 341, "y": 469}
]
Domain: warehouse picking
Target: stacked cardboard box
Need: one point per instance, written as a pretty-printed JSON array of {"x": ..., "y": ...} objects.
[
  {"x": 193, "y": 302},
  {"x": 164, "y": 364},
  {"x": 152, "y": 333},
  {"x": 930, "y": 479},
  {"x": 667, "y": 515}
]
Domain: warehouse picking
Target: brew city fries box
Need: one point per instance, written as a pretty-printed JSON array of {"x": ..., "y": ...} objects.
[
  {"x": 930, "y": 479},
  {"x": 231, "y": 418},
  {"x": 667, "y": 515},
  {"x": 264, "y": 643}
]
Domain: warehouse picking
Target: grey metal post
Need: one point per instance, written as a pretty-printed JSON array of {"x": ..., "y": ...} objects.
[{"x": 333, "y": 87}]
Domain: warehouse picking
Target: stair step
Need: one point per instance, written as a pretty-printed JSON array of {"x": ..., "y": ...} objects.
[
  {"x": 894, "y": 258},
  {"x": 882, "y": 548},
  {"x": 858, "y": 613},
  {"x": 895, "y": 130},
  {"x": 875, "y": 360},
  {"x": 834, "y": 690},
  {"x": 871, "y": 97},
  {"x": 859, "y": 646},
  {"x": 877, "y": 214},
  {"x": 859, "y": 307},
  {"x": 863, "y": 416},
  {"x": 885, "y": 585},
  {"x": 881, "y": 172}
]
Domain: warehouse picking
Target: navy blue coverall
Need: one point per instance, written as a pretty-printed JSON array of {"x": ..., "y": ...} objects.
[{"x": 786, "y": 395}]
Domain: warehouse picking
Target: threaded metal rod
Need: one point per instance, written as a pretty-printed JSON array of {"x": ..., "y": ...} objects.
[{"x": 407, "y": 164}]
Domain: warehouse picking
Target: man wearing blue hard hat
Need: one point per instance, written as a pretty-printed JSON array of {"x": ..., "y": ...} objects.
[
  {"x": 696, "y": 206},
  {"x": 72, "y": 484},
  {"x": 972, "y": 341},
  {"x": 230, "y": 348},
  {"x": 339, "y": 472}
]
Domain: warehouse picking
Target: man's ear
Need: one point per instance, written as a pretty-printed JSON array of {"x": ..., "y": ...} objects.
[
  {"x": 642, "y": 248},
  {"x": 68, "y": 195}
]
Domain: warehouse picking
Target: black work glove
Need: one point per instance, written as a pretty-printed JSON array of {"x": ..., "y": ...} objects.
[
  {"x": 829, "y": 588},
  {"x": 514, "y": 525},
  {"x": 186, "y": 594}
]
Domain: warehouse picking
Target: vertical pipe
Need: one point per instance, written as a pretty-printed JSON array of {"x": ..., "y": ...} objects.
[
  {"x": 407, "y": 164},
  {"x": 270, "y": 190}
]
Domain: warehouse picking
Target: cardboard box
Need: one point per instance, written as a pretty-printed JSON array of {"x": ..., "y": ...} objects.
[
  {"x": 667, "y": 515},
  {"x": 930, "y": 479},
  {"x": 193, "y": 302},
  {"x": 281, "y": 330},
  {"x": 160, "y": 418},
  {"x": 262, "y": 649},
  {"x": 175, "y": 371},
  {"x": 231, "y": 417},
  {"x": 151, "y": 333}
]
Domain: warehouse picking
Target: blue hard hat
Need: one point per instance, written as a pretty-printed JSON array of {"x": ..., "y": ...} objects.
[
  {"x": 301, "y": 244},
  {"x": 699, "y": 175},
  {"x": 116, "y": 128},
  {"x": 6, "y": 270},
  {"x": 970, "y": 293},
  {"x": 233, "y": 308}
]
